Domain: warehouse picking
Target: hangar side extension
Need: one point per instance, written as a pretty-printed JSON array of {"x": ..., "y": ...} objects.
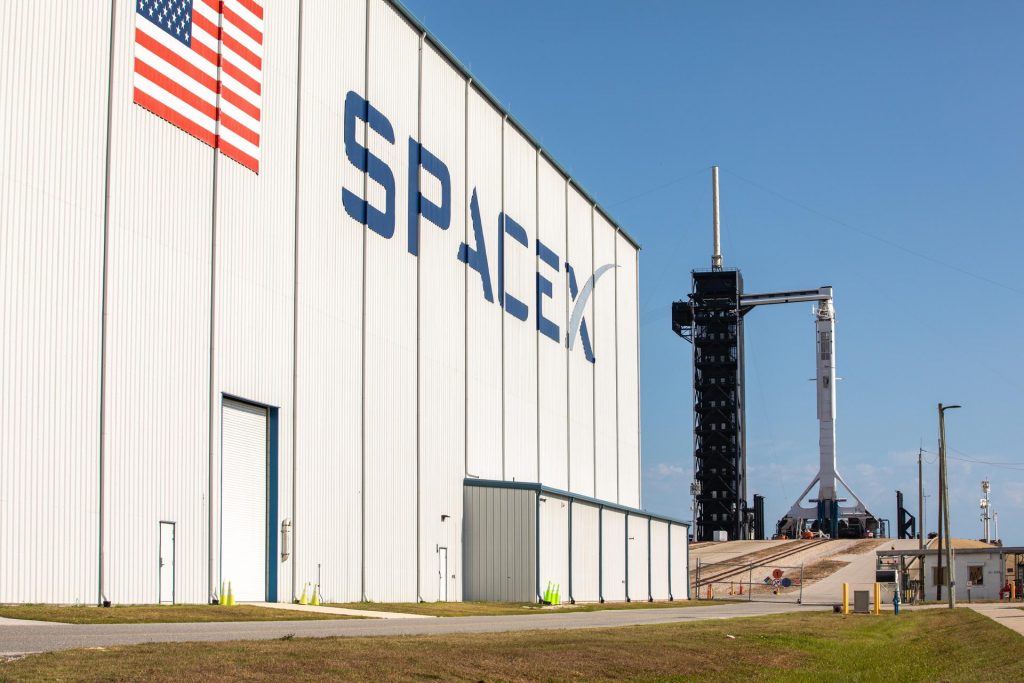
[{"x": 519, "y": 537}]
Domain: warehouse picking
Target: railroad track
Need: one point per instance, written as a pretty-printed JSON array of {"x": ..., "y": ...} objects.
[
  {"x": 737, "y": 569},
  {"x": 702, "y": 544}
]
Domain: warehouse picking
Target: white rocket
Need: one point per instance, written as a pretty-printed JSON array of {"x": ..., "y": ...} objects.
[{"x": 828, "y": 508}]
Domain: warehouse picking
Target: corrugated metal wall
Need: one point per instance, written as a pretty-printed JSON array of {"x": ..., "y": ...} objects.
[
  {"x": 602, "y": 548},
  {"x": 581, "y": 372},
  {"x": 500, "y": 551},
  {"x": 637, "y": 550},
  {"x": 255, "y": 266},
  {"x": 628, "y": 386},
  {"x": 442, "y": 333},
  {"x": 602, "y": 329},
  {"x": 51, "y": 275},
  {"x": 329, "y": 307},
  {"x": 613, "y": 554},
  {"x": 552, "y": 358},
  {"x": 554, "y": 543},
  {"x": 394, "y": 374},
  {"x": 680, "y": 572},
  {"x": 484, "y": 369},
  {"x": 389, "y": 338},
  {"x": 659, "y": 560},
  {"x": 518, "y": 279},
  {"x": 586, "y": 557},
  {"x": 157, "y": 399}
]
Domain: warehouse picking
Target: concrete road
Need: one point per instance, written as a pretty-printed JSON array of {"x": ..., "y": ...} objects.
[
  {"x": 1009, "y": 614},
  {"x": 859, "y": 573},
  {"x": 27, "y": 637}
]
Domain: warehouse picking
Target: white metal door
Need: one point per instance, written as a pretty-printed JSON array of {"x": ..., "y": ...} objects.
[
  {"x": 167, "y": 562},
  {"x": 244, "y": 500},
  {"x": 442, "y": 574}
]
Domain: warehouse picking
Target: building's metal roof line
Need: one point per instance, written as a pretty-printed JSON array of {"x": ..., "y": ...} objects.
[
  {"x": 540, "y": 488},
  {"x": 931, "y": 552},
  {"x": 433, "y": 40}
]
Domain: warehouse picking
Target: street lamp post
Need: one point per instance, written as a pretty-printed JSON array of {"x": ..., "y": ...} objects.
[{"x": 944, "y": 496}]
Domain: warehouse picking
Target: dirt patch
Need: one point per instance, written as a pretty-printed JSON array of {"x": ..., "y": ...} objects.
[
  {"x": 822, "y": 569},
  {"x": 866, "y": 546}
]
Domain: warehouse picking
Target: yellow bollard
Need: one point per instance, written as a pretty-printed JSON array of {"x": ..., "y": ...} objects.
[
  {"x": 846, "y": 598},
  {"x": 878, "y": 598},
  {"x": 1013, "y": 590},
  {"x": 316, "y": 595},
  {"x": 303, "y": 600},
  {"x": 223, "y": 598},
  {"x": 231, "y": 595}
]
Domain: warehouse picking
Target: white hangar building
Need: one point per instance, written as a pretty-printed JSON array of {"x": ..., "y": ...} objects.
[{"x": 288, "y": 297}]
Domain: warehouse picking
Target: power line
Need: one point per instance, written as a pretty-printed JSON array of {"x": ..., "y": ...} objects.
[
  {"x": 1005, "y": 465},
  {"x": 1019, "y": 466},
  {"x": 659, "y": 187},
  {"x": 879, "y": 238}
]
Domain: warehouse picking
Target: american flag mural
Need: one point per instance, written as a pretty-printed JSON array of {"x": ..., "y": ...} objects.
[{"x": 199, "y": 65}]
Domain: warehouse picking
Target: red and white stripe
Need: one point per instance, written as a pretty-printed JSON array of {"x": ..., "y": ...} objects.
[
  {"x": 241, "y": 78},
  {"x": 212, "y": 90}
]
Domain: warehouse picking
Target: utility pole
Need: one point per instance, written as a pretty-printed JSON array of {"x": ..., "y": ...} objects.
[
  {"x": 938, "y": 529},
  {"x": 920, "y": 516},
  {"x": 944, "y": 491}
]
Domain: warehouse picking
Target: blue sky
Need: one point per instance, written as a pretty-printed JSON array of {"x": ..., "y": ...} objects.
[{"x": 873, "y": 146}]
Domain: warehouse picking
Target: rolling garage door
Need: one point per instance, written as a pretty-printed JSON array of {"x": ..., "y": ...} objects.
[{"x": 244, "y": 499}]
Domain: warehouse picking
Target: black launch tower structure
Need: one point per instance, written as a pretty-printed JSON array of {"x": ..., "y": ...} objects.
[{"x": 712, "y": 321}]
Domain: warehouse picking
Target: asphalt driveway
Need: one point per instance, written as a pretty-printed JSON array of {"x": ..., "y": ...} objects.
[{"x": 20, "y": 637}]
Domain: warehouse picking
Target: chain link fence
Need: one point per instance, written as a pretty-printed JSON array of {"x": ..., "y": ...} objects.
[{"x": 752, "y": 581}]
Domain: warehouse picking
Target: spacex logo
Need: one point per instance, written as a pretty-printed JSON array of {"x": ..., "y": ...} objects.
[
  {"x": 473, "y": 252},
  {"x": 577, "y": 323}
]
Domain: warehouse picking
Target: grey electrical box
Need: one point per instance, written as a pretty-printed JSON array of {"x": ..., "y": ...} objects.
[{"x": 861, "y": 602}]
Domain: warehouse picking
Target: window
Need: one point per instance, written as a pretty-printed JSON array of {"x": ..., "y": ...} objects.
[
  {"x": 976, "y": 575},
  {"x": 940, "y": 579}
]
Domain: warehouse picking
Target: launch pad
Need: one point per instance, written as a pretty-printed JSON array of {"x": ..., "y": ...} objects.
[{"x": 712, "y": 321}]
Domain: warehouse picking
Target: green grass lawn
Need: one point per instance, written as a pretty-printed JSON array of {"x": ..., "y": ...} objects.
[
  {"x": 155, "y": 614},
  {"x": 929, "y": 645},
  {"x": 480, "y": 609}
]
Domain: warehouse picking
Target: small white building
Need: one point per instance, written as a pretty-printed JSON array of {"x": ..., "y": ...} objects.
[{"x": 982, "y": 571}]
